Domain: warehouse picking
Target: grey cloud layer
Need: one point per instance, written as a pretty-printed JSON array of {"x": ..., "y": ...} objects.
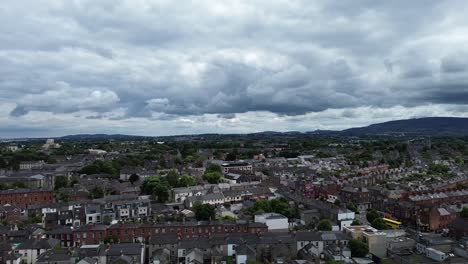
[{"x": 167, "y": 59}]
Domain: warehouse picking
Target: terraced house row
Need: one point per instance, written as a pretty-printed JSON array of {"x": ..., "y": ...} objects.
[{"x": 96, "y": 233}]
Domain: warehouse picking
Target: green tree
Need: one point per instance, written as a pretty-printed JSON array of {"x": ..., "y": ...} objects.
[
  {"x": 213, "y": 168},
  {"x": 107, "y": 220},
  {"x": 324, "y": 225},
  {"x": 372, "y": 215},
  {"x": 337, "y": 202},
  {"x": 204, "y": 211},
  {"x": 355, "y": 222},
  {"x": 35, "y": 218},
  {"x": 437, "y": 169},
  {"x": 99, "y": 166},
  {"x": 379, "y": 224},
  {"x": 279, "y": 206},
  {"x": 63, "y": 196},
  {"x": 172, "y": 178},
  {"x": 229, "y": 260},
  {"x": 459, "y": 160},
  {"x": 351, "y": 207},
  {"x": 133, "y": 178},
  {"x": 19, "y": 185},
  {"x": 96, "y": 193},
  {"x": 162, "y": 193},
  {"x": 186, "y": 181},
  {"x": 358, "y": 248},
  {"x": 188, "y": 159},
  {"x": 149, "y": 185},
  {"x": 60, "y": 182},
  {"x": 157, "y": 187},
  {"x": 212, "y": 177}
]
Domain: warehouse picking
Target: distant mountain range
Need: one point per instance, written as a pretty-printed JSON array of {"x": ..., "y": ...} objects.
[
  {"x": 100, "y": 137},
  {"x": 429, "y": 126},
  {"x": 436, "y": 126}
]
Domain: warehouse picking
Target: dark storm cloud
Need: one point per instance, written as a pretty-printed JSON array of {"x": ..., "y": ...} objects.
[
  {"x": 161, "y": 60},
  {"x": 455, "y": 63}
]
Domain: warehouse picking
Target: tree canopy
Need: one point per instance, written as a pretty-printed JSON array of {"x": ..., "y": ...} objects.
[
  {"x": 279, "y": 206},
  {"x": 157, "y": 187},
  {"x": 96, "y": 193},
  {"x": 204, "y": 211},
  {"x": 358, "y": 248},
  {"x": 186, "y": 181},
  {"x": 324, "y": 225},
  {"x": 379, "y": 223},
  {"x": 372, "y": 215},
  {"x": 133, "y": 178},
  {"x": 60, "y": 182},
  {"x": 212, "y": 177}
]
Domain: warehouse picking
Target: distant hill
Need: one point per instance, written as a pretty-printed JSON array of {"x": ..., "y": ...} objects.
[
  {"x": 432, "y": 126},
  {"x": 449, "y": 126},
  {"x": 101, "y": 137}
]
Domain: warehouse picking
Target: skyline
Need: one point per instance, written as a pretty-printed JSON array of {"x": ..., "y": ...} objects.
[{"x": 157, "y": 68}]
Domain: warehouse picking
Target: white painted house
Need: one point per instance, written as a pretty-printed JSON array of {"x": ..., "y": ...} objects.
[{"x": 274, "y": 221}]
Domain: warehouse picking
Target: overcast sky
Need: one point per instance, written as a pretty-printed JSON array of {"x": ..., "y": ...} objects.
[{"x": 182, "y": 67}]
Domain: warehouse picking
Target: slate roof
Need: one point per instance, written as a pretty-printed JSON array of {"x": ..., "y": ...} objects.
[
  {"x": 164, "y": 239},
  {"x": 54, "y": 256},
  {"x": 91, "y": 251},
  {"x": 131, "y": 249},
  {"x": 87, "y": 260},
  {"x": 39, "y": 244}
]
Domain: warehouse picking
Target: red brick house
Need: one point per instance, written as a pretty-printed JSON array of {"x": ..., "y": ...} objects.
[
  {"x": 440, "y": 218},
  {"x": 10, "y": 214},
  {"x": 93, "y": 234},
  {"x": 25, "y": 197}
]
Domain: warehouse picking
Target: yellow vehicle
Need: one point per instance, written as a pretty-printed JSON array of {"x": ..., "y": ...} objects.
[{"x": 392, "y": 223}]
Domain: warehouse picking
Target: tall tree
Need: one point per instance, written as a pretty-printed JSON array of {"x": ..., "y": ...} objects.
[
  {"x": 372, "y": 215},
  {"x": 212, "y": 177},
  {"x": 172, "y": 178},
  {"x": 324, "y": 225},
  {"x": 186, "y": 180},
  {"x": 358, "y": 248},
  {"x": 60, "y": 182},
  {"x": 204, "y": 211},
  {"x": 133, "y": 178}
]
